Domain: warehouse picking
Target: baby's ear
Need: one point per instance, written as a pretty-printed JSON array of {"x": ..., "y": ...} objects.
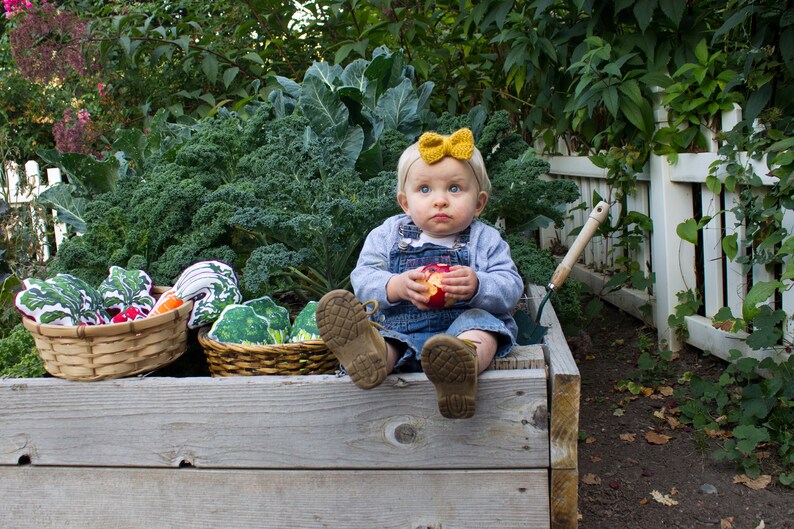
[
  {"x": 482, "y": 200},
  {"x": 402, "y": 200}
]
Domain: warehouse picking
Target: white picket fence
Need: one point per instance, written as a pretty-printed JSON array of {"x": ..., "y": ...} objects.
[
  {"x": 21, "y": 188},
  {"x": 665, "y": 192}
]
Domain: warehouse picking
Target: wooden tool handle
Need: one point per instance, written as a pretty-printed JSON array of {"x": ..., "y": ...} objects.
[{"x": 563, "y": 270}]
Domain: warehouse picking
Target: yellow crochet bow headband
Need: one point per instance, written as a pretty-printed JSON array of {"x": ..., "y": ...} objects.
[{"x": 433, "y": 147}]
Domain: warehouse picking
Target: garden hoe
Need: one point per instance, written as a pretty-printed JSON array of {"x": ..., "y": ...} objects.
[{"x": 536, "y": 331}]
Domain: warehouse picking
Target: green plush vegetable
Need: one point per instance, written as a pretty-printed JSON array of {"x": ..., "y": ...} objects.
[
  {"x": 240, "y": 324},
  {"x": 277, "y": 317},
  {"x": 123, "y": 289},
  {"x": 305, "y": 326},
  {"x": 61, "y": 300}
]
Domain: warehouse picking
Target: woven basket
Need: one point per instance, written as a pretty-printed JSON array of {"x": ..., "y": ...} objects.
[
  {"x": 100, "y": 352},
  {"x": 301, "y": 358}
]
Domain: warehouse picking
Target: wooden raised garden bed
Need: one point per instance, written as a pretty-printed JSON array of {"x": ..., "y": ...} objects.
[{"x": 294, "y": 452}]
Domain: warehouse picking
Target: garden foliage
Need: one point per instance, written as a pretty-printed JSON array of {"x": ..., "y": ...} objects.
[{"x": 287, "y": 191}]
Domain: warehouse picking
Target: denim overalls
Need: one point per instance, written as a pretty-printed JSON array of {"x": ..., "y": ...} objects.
[{"x": 412, "y": 327}]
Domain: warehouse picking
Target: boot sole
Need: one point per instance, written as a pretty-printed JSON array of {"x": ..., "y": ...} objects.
[
  {"x": 452, "y": 368},
  {"x": 346, "y": 330}
]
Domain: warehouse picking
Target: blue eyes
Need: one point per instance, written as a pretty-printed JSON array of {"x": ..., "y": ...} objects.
[{"x": 452, "y": 189}]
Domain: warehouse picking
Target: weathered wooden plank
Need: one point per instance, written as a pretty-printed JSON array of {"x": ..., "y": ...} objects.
[
  {"x": 521, "y": 357},
  {"x": 564, "y": 498},
  {"x": 564, "y": 387},
  {"x": 272, "y": 422},
  {"x": 102, "y": 498}
]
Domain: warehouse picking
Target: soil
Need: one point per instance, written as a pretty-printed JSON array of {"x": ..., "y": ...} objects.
[{"x": 617, "y": 476}]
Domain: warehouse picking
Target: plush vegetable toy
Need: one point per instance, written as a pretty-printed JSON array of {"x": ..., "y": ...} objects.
[
  {"x": 61, "y": 300},
  {"x": 127, "y": 289},
  {"x": 240, "y": 324},
  {"x": 212, "y": 285},
  {"x": 277, "y": 317},
  {"x": 305, "y": 326}
]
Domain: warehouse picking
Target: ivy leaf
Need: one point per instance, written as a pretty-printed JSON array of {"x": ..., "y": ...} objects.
[
  {"x": 643, "y": 12},
  {"x": 760, "y": 292},
  {"x": 688, "y": 231}
]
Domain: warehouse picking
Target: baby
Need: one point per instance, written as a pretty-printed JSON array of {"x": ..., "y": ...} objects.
[{"x": 442, "y": 188}]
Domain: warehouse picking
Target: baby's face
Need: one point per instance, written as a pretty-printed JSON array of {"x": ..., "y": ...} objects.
[{"x": 442, "y": 199}]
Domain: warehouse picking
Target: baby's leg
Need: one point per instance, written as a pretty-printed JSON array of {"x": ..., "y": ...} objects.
[{"x": 485, "y": 343}]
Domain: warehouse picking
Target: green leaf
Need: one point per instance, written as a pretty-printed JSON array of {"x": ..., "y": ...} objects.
[
  {"x": 209, "y": 65},
  {"x": 749, "y": 437},
  {"x": 730, "y": 246},
  {"x": 321, "y": 106},
  {"x": 324, "y": 71},
  {"x": 91, "y": 175},
  {"x": 688, "y": 231},
  {"x": 757, "y": 101},
  {"x": 229, "y": 75},
  {"x": 254, "y": 57},
  {"x": 643, "y": 12},
  {"x": 759, "y": 293},
  {"x": 787, "y": 48},
  {"x": 398, "y": 109},
  {"x": 674, "y": 10},
  {"x": 70, "y": 208}
]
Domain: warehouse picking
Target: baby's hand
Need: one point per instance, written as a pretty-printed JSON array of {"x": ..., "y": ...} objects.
[
  {"x": 406, "y": 287},
  {"x": 460, "y": 283}
]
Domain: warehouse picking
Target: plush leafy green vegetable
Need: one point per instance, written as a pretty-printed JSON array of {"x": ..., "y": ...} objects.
[
  {"x": 304, "y": 328},
  {"x": 123, "y": 289},
  {"x": 240, "y": 324},
  {"x": 277, "y": 317}
]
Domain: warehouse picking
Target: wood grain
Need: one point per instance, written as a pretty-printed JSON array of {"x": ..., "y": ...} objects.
[
  {"x": 316, "y": 421},
  {"x": 103, "y": 498}
]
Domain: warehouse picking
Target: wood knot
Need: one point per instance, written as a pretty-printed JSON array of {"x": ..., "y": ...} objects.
[{"x": 405, "y": 434}]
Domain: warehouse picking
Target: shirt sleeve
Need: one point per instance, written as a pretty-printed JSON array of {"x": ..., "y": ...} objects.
[
  {"x": 501, "y": 285},
  {"x": 371, "y": 273}
]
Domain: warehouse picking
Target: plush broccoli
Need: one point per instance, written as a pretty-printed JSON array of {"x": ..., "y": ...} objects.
[{"x": 240, "y": 324}]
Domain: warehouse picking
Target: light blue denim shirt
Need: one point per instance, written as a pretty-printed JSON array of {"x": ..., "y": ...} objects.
[{"x": 489, "y": 255}]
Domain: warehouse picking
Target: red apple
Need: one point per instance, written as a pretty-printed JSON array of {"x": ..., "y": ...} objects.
[{"x": 433, "y": 274}]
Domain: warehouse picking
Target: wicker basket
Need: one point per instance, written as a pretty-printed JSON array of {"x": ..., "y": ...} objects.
[
  {"x": 300, "y": 358},
  {"x": 100, "y": 352}
]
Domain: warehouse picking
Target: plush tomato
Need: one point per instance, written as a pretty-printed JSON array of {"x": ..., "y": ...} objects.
[{"x": 433, "y": 274}]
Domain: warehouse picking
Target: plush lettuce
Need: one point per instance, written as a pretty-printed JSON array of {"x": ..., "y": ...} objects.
[
  {"x": 240, "y": 324},
  {"x": 277, "y": 317},
  {"x": 61, "y": 300},
  {"x": 125, "y": 289},
  {"x": 305, "y": 326}
]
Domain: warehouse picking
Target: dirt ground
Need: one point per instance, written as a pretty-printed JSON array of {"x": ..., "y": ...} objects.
[{"x": 619, "y": 475}]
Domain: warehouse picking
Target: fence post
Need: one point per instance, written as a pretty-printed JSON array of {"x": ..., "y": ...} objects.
[
  {"x": 34, "y": 181},
  {"x": 672, "y": 259}
]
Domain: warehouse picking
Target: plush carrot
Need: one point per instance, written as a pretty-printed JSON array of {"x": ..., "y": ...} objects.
[{"x": 168, "y": 301}]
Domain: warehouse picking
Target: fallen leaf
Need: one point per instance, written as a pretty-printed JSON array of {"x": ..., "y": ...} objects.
[
  {"x": 656, "y": 396},
  {"x": 614, "y": 485},
  {"x": 590, "y": 440},
  {"x": 674, "y": 423},
  {"x": 673, "y": 491},
  {"x": 721, "y": 418},
  {"x": 590, "y": 357},
  {"x": 628, "y": 437},
  {"x": 647, "y": 391},
  {"x": 591, "y": 479},
  {"x": 659, "y": 414},
  {"x": 664, "y": 499},
  {"x": 674, "y": 411},
  {"x": 667, "y": 391},
  {"x": 644, "y": 501},
  {"x": 756, "y": 484},
  {"x": 726, "y": 523},
  {"x": 721, "y": 434},
  {"x": 657, "y": 438},
  {"x": 595, "y": 459},
  {"x": 762, "y": 454},
  {"x": 619, "y": 412}
]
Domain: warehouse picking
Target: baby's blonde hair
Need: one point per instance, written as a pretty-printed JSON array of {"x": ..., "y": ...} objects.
[{"x": 411, "y": 155}]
